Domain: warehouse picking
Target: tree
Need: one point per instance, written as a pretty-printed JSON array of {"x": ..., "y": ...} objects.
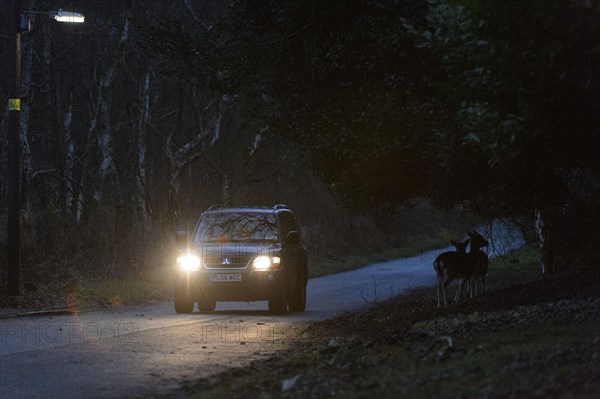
[
  {"x": 347, "y": 81},
  {"x": 527, "y": 112},
  {"x": 481, "y": 104},
  {"x": 106, "y": 137},
  {"x": 485, "y": 104}
]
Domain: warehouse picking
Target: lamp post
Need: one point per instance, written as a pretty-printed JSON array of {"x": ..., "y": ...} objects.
[
  {"x": 14, "y": 155},
  {"x": 18, "y": 23}
]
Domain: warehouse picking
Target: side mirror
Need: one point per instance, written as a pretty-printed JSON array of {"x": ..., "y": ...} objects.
[
  {"x": 293, "y": 238},
  {"x": 181, "y": 239}
]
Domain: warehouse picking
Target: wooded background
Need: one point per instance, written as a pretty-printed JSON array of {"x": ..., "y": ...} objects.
[{"x": 350, "y": 112}]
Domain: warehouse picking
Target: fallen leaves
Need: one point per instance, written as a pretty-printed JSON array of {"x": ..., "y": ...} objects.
[
  {"x": 505, "y": 343},
  {"x": 289, "y": 383},
  {"x": 566, "y": 310}
]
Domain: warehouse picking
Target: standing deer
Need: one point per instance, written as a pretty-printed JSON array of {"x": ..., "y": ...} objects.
[
  {"x": 480, "y": 260},
  {"x": 451, "y": 265}
]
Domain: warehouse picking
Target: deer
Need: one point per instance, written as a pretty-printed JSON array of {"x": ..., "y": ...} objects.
[
  {"x": 480, "y": 260},
  {"x": 449, "y": 266}
]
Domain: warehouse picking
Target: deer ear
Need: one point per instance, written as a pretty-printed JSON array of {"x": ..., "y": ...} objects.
[
  {"x": 470, "y": 234},
  {"x": 467, "y": 242},
  {"x": 453, "y": 242}
]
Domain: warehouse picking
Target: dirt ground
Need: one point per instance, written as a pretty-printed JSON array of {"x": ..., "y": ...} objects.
[{"x": 539, "y": 338}]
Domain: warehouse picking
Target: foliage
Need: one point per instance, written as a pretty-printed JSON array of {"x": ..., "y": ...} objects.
[
  {"x": 345, "y": 80},
  {"x": 482, "y": 103},
  {"x": 529, "y": 108},
  {"x": 133, "y": 127},
  {"x": 146, "y": 115}
]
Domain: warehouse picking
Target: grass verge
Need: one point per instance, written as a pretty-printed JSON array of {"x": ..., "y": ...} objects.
[
  {"x": 144, "y": 287},
  {"x": 346, "y": 263},
  {"x": 157, "y": 284},
  {"x": 527, "y": 336},
  {"x": 79, "y": 292}
]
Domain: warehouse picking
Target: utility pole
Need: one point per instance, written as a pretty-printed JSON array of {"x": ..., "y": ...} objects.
[
  {"x": 15, "y": 22},
  {"x": 12, "y": 21}
]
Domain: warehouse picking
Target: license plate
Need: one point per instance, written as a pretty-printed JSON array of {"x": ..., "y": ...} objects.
[{"x": 225, "y": 277}]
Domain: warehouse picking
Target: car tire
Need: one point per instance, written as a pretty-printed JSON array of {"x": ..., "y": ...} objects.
[
  {"x": 277, "y": 301},
  {"x": 205, "y": 304},
  {"x": 297, "y": 295},
  {"x": 182, "y": 301}
]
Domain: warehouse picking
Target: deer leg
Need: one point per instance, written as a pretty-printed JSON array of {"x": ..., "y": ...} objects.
[
  {"x": 458, "y": 291},
  {"x": 482, "y": 283},
  {"x": 463, "y": 281},
  {"x": 442, "y": 290},
  {"x": 442, "y": 296}
]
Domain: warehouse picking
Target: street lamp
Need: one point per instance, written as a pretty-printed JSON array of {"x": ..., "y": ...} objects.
[
  {"x": 66, "y": 16},
  {"x": 18, "y": 24}
]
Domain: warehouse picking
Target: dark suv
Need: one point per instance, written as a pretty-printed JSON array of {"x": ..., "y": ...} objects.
[{"x": 243, "y": 254}]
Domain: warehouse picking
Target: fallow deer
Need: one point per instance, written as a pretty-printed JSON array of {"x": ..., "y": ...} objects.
[
  {"x": 480, "y": 260},
  {"x": 449, "y": 266}
]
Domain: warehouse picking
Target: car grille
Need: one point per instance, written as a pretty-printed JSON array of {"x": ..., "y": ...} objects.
[{"x": 224, "y": 261}]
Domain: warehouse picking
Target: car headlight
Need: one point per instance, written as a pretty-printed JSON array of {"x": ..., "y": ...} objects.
[
  {"x": 188, "y": 262},
  {"x": 266, "y": 262}
]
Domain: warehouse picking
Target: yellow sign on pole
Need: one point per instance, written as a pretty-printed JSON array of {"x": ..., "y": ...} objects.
[{"x": 14, "y": 104}]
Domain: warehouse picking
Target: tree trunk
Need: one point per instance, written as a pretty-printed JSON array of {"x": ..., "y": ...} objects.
[
  {"x": 69, "y": 157},
  {"x": 187, "y": 153},
  {"x": 543, "y": 229},
  {"x": 26, "y": 156},
  {"x": 142, "y": 195},
  {"x": 100, "y": 127},
  {"x": 3, "y": 142}
]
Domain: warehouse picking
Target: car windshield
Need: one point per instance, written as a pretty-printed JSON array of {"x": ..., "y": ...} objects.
[{"x": 235, "y": 227}]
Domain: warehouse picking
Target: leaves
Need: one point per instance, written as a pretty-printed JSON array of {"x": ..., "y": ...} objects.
[{"x": 476, "y": 103}]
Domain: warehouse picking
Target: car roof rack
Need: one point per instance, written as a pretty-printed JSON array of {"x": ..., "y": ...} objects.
[{"x": 221, "y": 206}]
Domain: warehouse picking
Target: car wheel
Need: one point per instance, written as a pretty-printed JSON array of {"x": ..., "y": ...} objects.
[
  {"x": 182, "y": 301},
  {"x": 297, "y": 296},
  {"x": 277, "y": 301},
  {"x": 205, "y": 304}
]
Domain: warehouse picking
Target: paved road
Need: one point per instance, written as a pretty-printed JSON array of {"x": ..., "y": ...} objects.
[{"x": 149, "y": 351}]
